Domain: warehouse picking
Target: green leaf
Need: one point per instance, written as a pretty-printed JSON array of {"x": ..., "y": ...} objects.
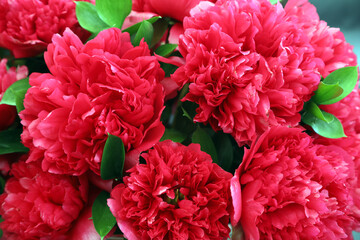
[
  {"x": 316, "y": 111},
  {"x": 88, "y": 17},
  {"x": 160, "y": 28},
  {"x": 274, "y": 1},
  {"x": 166, "y": 49},
  {"x": 346, "y": 78},
  {"x": 207, "y": 145},
  {"x": 113, "y": 158},
  {"x": 17, "y": 90},
  {"x": 145, "y": 32},
  {"x": 330, "y": 129},
  {"x": 113, "y": 12},
  {"x": 326, "y": 93},
  {"x": 134, "y": 28},
  {"x": 10, "y": 142},
  {"x": 186, "y": 114},
  {"x": 174, "y": 135},
  {"x": 102, "y": 217},
  {"x": 224, "y": 150}
]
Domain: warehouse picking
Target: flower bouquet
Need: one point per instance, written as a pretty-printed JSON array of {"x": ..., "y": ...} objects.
[{"x": 149, "y": 119}]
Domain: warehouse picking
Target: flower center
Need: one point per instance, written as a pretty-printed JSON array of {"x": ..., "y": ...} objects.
[{"x": 174, "y": 201}]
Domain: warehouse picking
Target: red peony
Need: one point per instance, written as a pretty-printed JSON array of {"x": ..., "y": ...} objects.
[
  {"x": 7, "y": 78},
  {"x": 27, "y": 26},
  {"x": 249, "y": 67},
  {"x": 292, "y": 188},
  {"x": 178, "y": 194},
  {"x": 167, "y": 8},
  {"x": 40, "y": 205},
  {"x": 329, "y": 43},
  {"x": 105, "y": 86}
]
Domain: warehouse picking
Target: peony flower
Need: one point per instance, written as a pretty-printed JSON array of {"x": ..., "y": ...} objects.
[
  {"x": 292, "y": 188},
  {"x": 249, "y": 67},
  {"x": 329, "y": 43},
  {"x": 167, "y": 8},
  {"x": 40, "y": 205},
  {"x": 27, "y": 26},
  {"x": 178, "y": 194},
  {"x": 348, "y": 112},
  {"x": 105, "y": 86},
  {"x": 7, "y": 78}
]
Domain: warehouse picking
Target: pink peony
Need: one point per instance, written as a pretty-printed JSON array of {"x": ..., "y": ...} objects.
[
  {"x": 105, "y": 86},
  {"x": 348, "y": 112},
  {"x": 40, "y": 205},
  {"x": 166, "y": 8},
  {"x": 7, "y": 78},
  {"x": 249, "y": 67},
  {"x": 329, "y": 43},
  {"x": 178, "y": 194},
  {"x": 292, "y": 188},
  {"x": 27, "y": 26}
]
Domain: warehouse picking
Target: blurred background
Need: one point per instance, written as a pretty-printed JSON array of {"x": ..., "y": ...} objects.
[{"x": 344, "y": 14}]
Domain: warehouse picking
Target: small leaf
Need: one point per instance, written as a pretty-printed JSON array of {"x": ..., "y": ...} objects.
[
  {"x": 145, "y": 32},
  {"x": 113, "y": 158},
  {"x": 134, "y": 28},
  {"x": 331, "y": 129},
  {"x": 346, "y": 78},
  {"x": 17, "y": 90},
  {"x": 326, "y": 93},
  {"x": 102, "y": 217},
  {"x": 174, "y": 135},
  {"x": 10, "y": 142},
  {"x": 160, "y": 29},
  {"x": 166, "y": 49},
  {"x": 207, "y": 145},
  {"x": 186, "y": 114},
  {"x": 316, "y": 111},
  {"x": 113, "y": 12},
  {"x": 88, "y": 17},
  {"x": 274, "y": 1}
]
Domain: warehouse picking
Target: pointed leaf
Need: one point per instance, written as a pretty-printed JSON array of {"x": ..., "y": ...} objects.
[
  {"x": 113, "y": 12},
  {"x": 326, "y": 93},
  {"x": 166, "y": 49},
  {"x": 113, "y": 158},
  {"x": 331, "y": 129},
  {"x": 134, "y": 28},
  {"x": 207, "y": 145},
  {"x": 145, "y": 32},
  {"x": 174, "y": 135},
  {"x": 102, "y": 217},
  {"x": 274, "y": 1},
  {"x": 316, "y": 111},
  {"x": 17, "y": 90},
  {"x": 88, "y": 17},
  {"x": 10, "y": 142},
  {"x": 346, "y": 78},
  {"x": 160, "y": 29}
]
